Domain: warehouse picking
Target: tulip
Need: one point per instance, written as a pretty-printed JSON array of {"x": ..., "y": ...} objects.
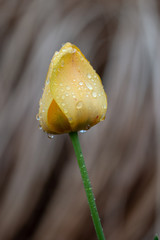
[{"x": 73, "y": 98}]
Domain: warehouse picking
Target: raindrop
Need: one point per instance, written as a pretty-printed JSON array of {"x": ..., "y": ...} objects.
[
  {"x": 68, "y": 88},
  {"x": 102, "y": 117},
  {"x": 99, "y": 94},
  {"x": 37, "y": 117},
  {"x": 50, "y": 135},
  {"x": 79, "y": 105},
  {"x": 83, "y": 131},
  {"x": 105, "y": 106},
  {"x": 94, "y": 94},
  {"x": 74, "y": 80},
  {"x": 40, "y": 127},
  {"x": 70, "y": 119},
  {"x": 89, "y": 86},
  {"x": 74, "y": 96},
  {"x": 67, "y": 94},
  {"x": 89, "y": 75},
  {"x": 47, "y": 81},
  {"x": 62, "y": 63},
  {"x": 43, "y": 110},
  {"x": 80, "y": 83}
]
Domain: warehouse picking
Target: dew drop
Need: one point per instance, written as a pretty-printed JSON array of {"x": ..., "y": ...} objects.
[
  {"x": 37, "y": 117},
  {"x": 89, "y": 86},
  {"x": 83, "y": 131},
  {"x": 94, "y": 94},
  {"x": 68, "y": 88},
  {"x": 50, "y": 135},
  {"x": 102, "y": 117},
  {"x": 47, "y": 81},
  {"x": 74, "y": 96},
  {"x": 40, "y": 127},
  {"x": 89, "y": 75},
  {"x": 79, "y": 105},
  {"x": 99, "y": 94},
  {"x": 70, "y": 119},
  {"x": 80, "y": 83},
  {"x": 105, "y": 106},
  {"x": 62, "y": 63},
  {"x": 67, "y": 94},
  {"x": 88, "y": 127},
  {"x": 43, "y": 110},
  {"x": 74, "y": 80}
]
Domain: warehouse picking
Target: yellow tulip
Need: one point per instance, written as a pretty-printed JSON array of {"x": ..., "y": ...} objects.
[{"x": 73, "y": 97}]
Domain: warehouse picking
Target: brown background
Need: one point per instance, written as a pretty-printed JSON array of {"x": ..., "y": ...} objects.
[{"x": 41, "y": 192}]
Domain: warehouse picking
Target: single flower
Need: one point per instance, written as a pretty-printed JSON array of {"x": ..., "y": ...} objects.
[{"x": 73, "y": 97}]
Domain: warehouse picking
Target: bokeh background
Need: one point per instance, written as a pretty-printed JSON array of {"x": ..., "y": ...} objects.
[{"x": 41, "y": 192}]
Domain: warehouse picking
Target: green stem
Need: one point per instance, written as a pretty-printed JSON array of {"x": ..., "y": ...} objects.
[{"x": 87, "y": 185}]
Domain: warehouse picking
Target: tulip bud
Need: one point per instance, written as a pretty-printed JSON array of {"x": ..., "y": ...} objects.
[{"x": 73, "y": 97}]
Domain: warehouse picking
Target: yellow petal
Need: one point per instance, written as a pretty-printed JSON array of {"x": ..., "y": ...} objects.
[{"x": 73, "y": 98}]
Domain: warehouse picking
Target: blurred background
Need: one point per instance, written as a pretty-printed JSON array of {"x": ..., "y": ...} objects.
[{"x": 41, "y": 192}]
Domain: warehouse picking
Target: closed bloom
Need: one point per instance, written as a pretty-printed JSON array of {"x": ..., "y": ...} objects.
[{"x": 73, "y": 97}]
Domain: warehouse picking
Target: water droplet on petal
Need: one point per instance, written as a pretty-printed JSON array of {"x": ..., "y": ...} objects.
[
  {"x": 80, "y": 83},
  {"x": 47, "y": 81},
  {"x": 94, "y": 94},
  {"x": 65, "y": 111},
  {"x": 50, "y": 135},
  {"x": 89, "y": 86},
  {"x": 68, "y": 88},
  {"x": 37, "y": 117},
  {"x": 43, "y": 110},
  {"x": 105, "y": 106},
  {"x": 62, "y": 63},
  {"x": 40, "y": 127},
  {"x": 70, "y": 119},
  {"x": 79, "y": 105},
  {"x": 63, "y": 97},
  {"x": 102, "y": 117},
  {"x": 83, "y": 131},
  {"x": 67, "y": 94},
  {"x": 89, "y": 75}
]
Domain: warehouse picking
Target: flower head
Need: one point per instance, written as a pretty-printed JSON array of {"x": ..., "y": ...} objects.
[{"x": 73, "y": 97}]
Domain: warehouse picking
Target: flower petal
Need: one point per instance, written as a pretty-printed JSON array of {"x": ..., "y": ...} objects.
[{"x": 74, "y": 98}]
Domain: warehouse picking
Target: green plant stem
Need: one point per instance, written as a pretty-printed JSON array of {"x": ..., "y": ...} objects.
[
  {"x": 156, "y": 237},
  {"x": 87, "y": 185}
]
